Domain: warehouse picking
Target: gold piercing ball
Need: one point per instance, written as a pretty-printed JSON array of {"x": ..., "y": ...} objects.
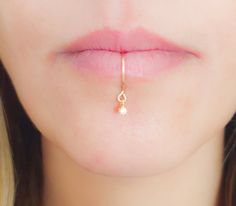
[{"x": 122, "y": 99}]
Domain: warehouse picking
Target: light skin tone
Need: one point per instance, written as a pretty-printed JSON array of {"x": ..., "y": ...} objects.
[{"x": 172, "y": 148}]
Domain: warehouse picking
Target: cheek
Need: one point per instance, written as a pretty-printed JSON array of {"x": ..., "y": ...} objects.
[{"x": 25, "y": 35}]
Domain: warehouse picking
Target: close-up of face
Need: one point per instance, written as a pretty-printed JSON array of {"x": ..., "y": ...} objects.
[{"x": 178, "y": 96}]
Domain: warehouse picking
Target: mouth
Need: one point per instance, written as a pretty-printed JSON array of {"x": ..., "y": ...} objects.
[{"x": 146, "y": 54}]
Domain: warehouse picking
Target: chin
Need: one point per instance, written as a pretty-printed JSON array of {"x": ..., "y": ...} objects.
[{"x": 123, "y": 160}]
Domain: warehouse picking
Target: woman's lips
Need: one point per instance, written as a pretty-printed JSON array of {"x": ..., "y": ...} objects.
[{"x": 145, "y": 53}]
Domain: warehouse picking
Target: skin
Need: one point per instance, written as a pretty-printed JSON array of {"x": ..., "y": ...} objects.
[{"x": 172, "y": 139}]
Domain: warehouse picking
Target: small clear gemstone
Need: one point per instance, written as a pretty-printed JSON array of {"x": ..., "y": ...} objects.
[{"x": 123, "y": 110}]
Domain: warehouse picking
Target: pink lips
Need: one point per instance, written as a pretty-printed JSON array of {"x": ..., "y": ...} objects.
[{"x": 146, "y": 54}]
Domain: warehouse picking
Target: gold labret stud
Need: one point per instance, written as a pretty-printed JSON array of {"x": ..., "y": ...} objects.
[{"x": 121, "y": 98}]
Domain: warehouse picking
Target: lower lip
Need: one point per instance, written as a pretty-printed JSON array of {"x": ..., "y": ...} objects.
[{"x": 138, "y": 64}]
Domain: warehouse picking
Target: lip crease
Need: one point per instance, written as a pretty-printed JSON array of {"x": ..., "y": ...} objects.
[{"x": 145, "y": 53}]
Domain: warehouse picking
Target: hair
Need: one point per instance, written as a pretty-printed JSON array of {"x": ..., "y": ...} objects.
[{"x": 21, "y": 174}]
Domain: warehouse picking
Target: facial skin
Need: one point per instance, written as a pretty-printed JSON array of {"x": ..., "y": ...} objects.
[{"x": 169, "y": 117}]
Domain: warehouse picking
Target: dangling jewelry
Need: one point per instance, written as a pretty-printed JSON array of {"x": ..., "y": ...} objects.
[{"x": 121, "y": 98}]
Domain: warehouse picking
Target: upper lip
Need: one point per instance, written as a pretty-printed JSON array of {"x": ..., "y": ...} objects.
[{"x": 124, "y": 41}]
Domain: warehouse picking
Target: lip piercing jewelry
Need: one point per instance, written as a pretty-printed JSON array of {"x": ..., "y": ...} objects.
[{"x": 121, "y": 98}]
